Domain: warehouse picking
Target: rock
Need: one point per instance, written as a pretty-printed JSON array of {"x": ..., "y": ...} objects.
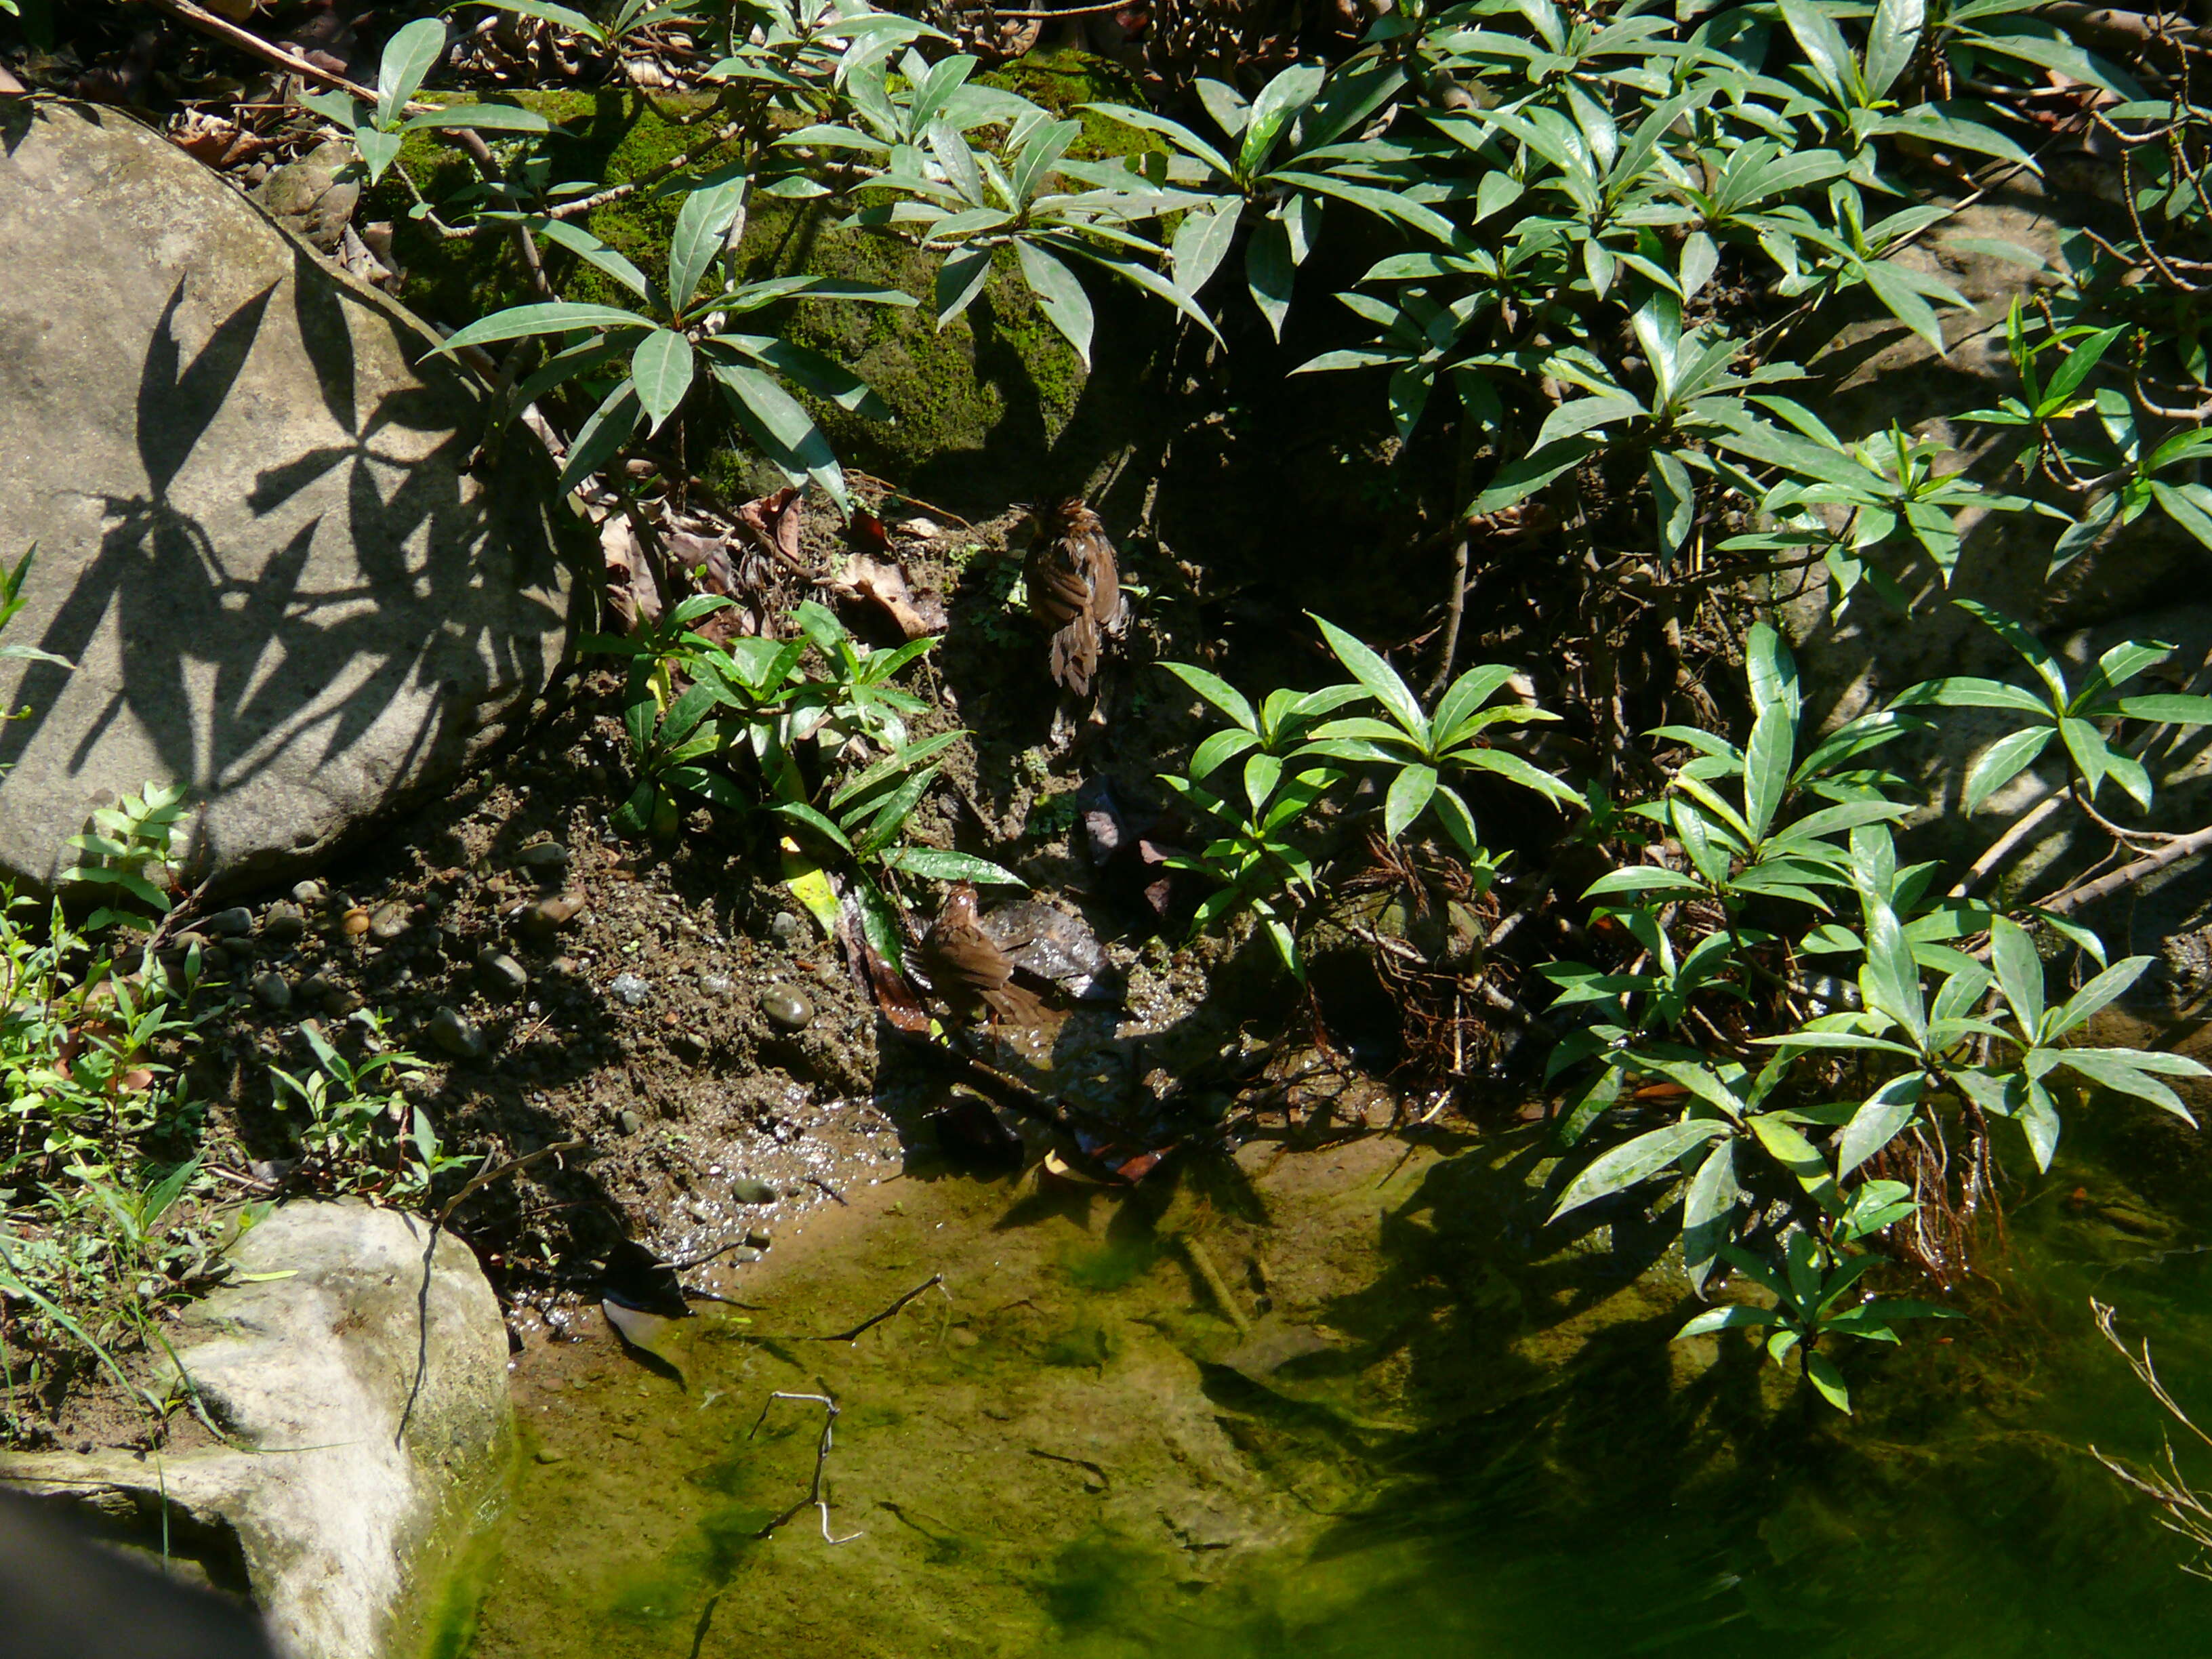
[
  {"x": 271, "y": 990},
  {"x": 230, "y": 924},
  {"x": 546, "y": 859},
  {"x": 388, "y": 921},
  {"x": 1045, "y": 940},
  {"x": 718, "y": 985},
  {"x": 308, "y": 892},
  {"x": 316, "y": 990},
  {"x": 787, "y": 1007},
  {"x": 258, "y": 537},
  {"x": 372, "y": 1357},
  {"x": 744, "y": 1189},
  {"x": 629, "y": 990},
  {"x": 689, "y": 1046},
  {"x": 354, "y": 923},
  {"x": 500, "y": 975},
  {"x": 545, "y": 918},
  {"x": 789, "y": 931},
  {"x": 629, "y": 1122},
  {"x": 458, "y": 1037},
  {"x": 283, "y": 924}
]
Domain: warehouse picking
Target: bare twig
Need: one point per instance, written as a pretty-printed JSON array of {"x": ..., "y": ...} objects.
[
  {"x": 1201, "y": 1262},
  {"x": 2182, "y": 847},
  {"x": 853, "y": 1334},
  {"x": 1452, "y": 616},
  {"x": 815, "y": 1497},
  {"x": 252, "y": 44},
  {"x": 483, "y": 1178}
]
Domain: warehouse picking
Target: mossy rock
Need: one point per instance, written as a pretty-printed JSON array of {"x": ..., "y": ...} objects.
[{"x": 994, "y": 406}]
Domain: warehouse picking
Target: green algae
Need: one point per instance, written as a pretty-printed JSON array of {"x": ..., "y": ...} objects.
[{"x": 1447, "y": 1433}]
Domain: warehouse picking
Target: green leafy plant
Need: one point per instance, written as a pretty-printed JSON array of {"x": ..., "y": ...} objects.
[
  {"x": 378, "y": 131},
  {"x": 363, "y": 1133},
  {"x": 126, "y": 855},
  {"x": 2080, "y": 722},
  {"x": 1420, "y": 749},
  {"x": 648, "y": 364}
]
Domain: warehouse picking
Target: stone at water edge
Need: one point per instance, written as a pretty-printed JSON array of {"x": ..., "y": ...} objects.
[
  {"x": 348, "y": 1535},
  {"x": 258, "y": 540}
]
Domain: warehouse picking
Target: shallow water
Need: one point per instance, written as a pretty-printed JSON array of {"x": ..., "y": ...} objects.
[{"x": 1432, "y": 1440}]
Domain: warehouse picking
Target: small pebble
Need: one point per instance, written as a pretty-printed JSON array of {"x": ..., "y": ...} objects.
[
  {"x": 355, "y": 922},
  {"x": 271, "y": 991},
  {"x": 342, "y": 1002},
  {"x": 547, "y": 859},
  {"x": 547, "y": 1455},
  {"x": 228, "y": 924},
  {"x": 717, "y": 985},
  {"x": 746, "y": 1190},
  {"x": 283, "y": 923},
  {"x": 629, "y": 1122},
  {"x": 787, "y": 1006},
  {"x": 457, "y": 1037},
  {"x": 629, "y": 990},
  {"x": 790, "y": 932},
  {"x": 389, "y": 921},
  {"x": 547, "y": 916},
  {"x": 308, "y": 892},
  {"x": 501, "y": 974},
  {"x": 316, "y": 989},
  {"x": 757, "y": 1240},
  {"x": 689, "y": 1045}
]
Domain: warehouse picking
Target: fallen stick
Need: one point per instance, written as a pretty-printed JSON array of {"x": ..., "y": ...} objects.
[{"x": 853, "y": 1334}]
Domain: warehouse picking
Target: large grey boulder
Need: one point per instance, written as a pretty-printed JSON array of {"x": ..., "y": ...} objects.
[
  {"x": 258, "y": 536},
  {"x": 362, "y": 1372}
]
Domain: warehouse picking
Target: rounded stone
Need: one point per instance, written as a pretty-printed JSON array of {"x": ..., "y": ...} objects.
[
  {"x": 501, "y": 974},
  {"x": 549, "y": 915},
  {"x": 231, "y": 923},
  {"x": 788, "y": 930},
  {"x": 282, "y": 924},
  {"x": 546, "y": 859},
  {"x": 354, "y": 923},
  {"x": 308, "y": 892},
  {"x": 271, "y": 991},
  {"x": 744, "y": 1189},
  {"x": 787, "y": 1007},
  {"x": 389, "y": 921},
  {"x": 629, "y": 1122},
  {"x": 457, "y": 1037}
]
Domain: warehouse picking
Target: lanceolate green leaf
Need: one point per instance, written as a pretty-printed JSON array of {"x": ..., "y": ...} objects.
[
  {"x": 1638, "y": 1160},
  {"x": 553, "y": 317},
  {"x": 409, "y": 56},
  {"x": 1060, "y": 295},
  {"x": 661, "y": 367}
]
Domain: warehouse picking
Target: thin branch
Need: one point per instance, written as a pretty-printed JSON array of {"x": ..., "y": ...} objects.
[
  {"x": 814, "y": 1497},
  {"x": 246, "y": 41},
  {"x": 853, "y": 1334},
  {"x": 2182, "y": 847},
  {"x": 1452, "y": 617}
]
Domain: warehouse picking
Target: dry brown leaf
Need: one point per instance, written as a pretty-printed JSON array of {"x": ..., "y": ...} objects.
[{"x": 883, "y": 585}]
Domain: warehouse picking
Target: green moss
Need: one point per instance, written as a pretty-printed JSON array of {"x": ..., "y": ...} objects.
[
  {"x": 1063, "y": 82},
  {"x": 993, "y": 406}
]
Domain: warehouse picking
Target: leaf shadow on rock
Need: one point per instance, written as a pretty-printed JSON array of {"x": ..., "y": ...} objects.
[{"x": 239, "y": 659}]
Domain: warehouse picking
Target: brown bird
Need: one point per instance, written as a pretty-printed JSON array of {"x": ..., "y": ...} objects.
[
  {"x": 966, "y": 968},
  {"x": 1075, "y": 589}
]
